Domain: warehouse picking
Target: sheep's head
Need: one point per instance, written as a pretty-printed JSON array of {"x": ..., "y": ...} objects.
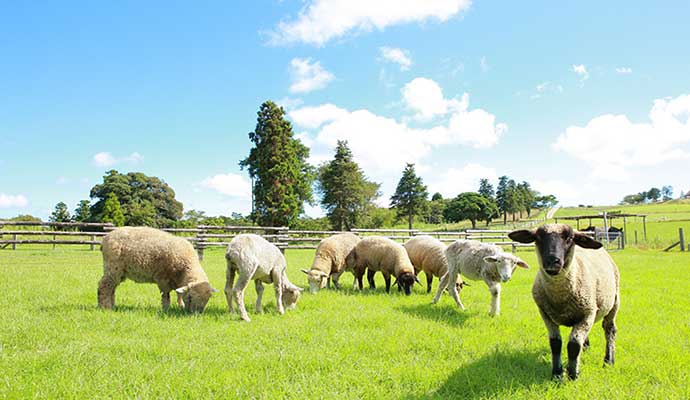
[
  {"x": 196, "y": 295},
  {"x": 405, "y": 281},
  {"x": 317, "y": 279},
  {"x": 504, "y": 264},
  {"x": 555, "y": 244},
  {"x": 290, "y": 296}
]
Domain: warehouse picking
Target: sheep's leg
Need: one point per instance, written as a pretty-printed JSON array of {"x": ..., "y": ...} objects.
[
  {"x": 452, "y": 288},
  {"x": 609, "y": 325},
  {"x": 229, "y": 282},
  {"x": 371, "y": 280},
  {"x": 328, "y": 283},
  {"x": 278, "y": 288},
  {"x": 443, "y": 282},
  {"x": 556, "y": 344},
  {"x": 238, "y": 292},
  {"x": 387, "y": 279},
  {"x": 165, "y": 300},
  {"x": 359, "y": 274},
  {"x": 259, "y": 292},
  {"x": 106, "y": 291},
  {"x": 180, "y": 300},
  {"x": 495, "y": 289},
  {"x": 336, "y": 277},
  {"x": 429, "y": 280},
  {"x": 577, "y": 338}
]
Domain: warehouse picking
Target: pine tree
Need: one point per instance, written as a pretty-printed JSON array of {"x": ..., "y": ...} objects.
[
  {"x": 410, "y": 195},
  {"x": 486, "y": 189},
  {"x": 347, "y": 195},
  {"x": 527, "y": 197},
  {"x": 513, "y": 198},
  {"x": 112, "y": 212},
  {"x": 82, "y": 213},
  {"x": 277, "y": 164},
  {"x": 502, "y": 197}
]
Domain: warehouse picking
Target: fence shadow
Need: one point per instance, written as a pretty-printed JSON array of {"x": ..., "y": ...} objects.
[
  {"x": 447, "y": 314},
  {"x": 501, "y": 374}
]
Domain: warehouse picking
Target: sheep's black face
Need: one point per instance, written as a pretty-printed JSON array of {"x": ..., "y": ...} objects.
[{"x": 406, "y": 281}]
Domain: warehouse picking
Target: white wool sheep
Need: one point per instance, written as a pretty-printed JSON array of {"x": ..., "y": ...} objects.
[
  {"x": 382, "y": 254},
  {"x": 479, "y": 261},
  {"x": 254, "y": 258},
  {"x": 329, "y": 260},
  {"x": 153, "y": 256},
  {"x": 577, "y": 284},
  {"x": 428, "y": 254}
]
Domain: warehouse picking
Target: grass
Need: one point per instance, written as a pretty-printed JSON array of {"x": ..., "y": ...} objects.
[{"x": 55, "y": 343}]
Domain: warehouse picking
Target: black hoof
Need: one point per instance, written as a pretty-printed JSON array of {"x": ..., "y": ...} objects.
[{"x": 573, "y": 375}]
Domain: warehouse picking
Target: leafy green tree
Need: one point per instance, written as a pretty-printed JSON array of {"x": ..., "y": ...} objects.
[
  {"x": 83, "y": 211},
  {"x": 437, "y": 196},
  {"x": 379, "y": 217},
  {"x": 278, "y": 167},
  {"x": 513, "y": 198},
  {"x": 545, "y": 201},
  {"x": 486, "y": 189},
  {"x": 60, "y": 214},
  {"x": 472, "y": 206},
  {"x": 194, "y": 216},
  {"x": 112, "y": 212},
  {"x": 346, "y": 193},
  {"x": 667, "y": 193},
  {"x": 410, "y": 195},
  {"x": 435, "y": 208},
  {"x": 502, "y": 200},
  {"x": 25, "y": 218},
  {"x": 654, "y": 194},
  {"x": 145, "y": 200},
  {"x": 526, "y": 196}
]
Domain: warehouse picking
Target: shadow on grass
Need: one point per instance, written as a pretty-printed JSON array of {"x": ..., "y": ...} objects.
[
  {"x": 447, "y": 314},
  {"x": 501, "y": 374},
  {"x": 173, "y": 311}
]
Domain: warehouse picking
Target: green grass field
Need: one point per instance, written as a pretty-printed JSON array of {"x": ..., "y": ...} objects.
[{"x": 55, "y": 343}]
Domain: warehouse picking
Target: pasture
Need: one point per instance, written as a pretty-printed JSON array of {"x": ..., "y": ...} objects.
[{"x": 55, "y": 343}]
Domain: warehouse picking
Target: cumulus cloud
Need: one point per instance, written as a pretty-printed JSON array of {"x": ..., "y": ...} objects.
[
  {"x": 397, "y": 56},
  {"x": 425, "y": 97},
  {"x": 609, "y": 144},
  {"x": 289, "y": 103},
  {"x": 13, "y": 201},
  {"x": 308, "y": 75},
  {"x": 457, "y": 180},
  {"x": 581, "y": 71},
  {"x": 320, "y": 21},
  {"x": 624, "y": 70},
  {"x": 106, "y": 159},
  {"x": 233, "y": 185}
]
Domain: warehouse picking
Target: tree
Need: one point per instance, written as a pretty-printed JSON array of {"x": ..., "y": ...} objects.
[
  {"x": 502, "y": 196},
  {"x": 410, "y": 195},
  {"x": 60, "y": 214},
  {"x": 486, "y": 189},
  {"x": 437, "y": 196},
  {"x": 545, "y": 201},
  {"x": 145, "y": 200},
  {"x": 435, "y": 211},
  {"x": 527, "y": 196},
  {"x": 346, "y": 193},
  {"x": 278, "y": 167},
  {"x": 667, "y": 193},
  {"x": 472, "y": 206},
  {"x": 112, "y": 212},
  {"x": 513, "y": 198},
  {"x": 83, "y": 212},
  {"x": 654, "y": 194}
]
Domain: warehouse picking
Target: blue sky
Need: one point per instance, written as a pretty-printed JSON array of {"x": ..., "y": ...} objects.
[{"x": 586, "y": 100}]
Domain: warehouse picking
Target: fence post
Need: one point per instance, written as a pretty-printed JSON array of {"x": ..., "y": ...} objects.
[
  {"x": 199, "y": 244},
  {"x": 622, "y": 240},
  {"x": 54, "y": 239},
  {"x": 682, "y": 239},
  {"x": 635, "y": 238},
  {"x": 93, "y": 239},
  {"x": 14, "y": 245}
]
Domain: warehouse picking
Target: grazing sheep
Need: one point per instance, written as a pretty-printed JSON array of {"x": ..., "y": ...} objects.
[
  {"x": 329, "y": 261},
  {"x": 153, "y": 256},
  {"x": 382, "y": 254},
  {"x": 429, "y": 255},
  {"x": 479, "y": 261},
  {"x": 577, "y": 284},
  {"x": 254, "y": 258}
]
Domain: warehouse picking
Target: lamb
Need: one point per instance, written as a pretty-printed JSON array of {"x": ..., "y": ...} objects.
[
  {"x": 329, "y": 261},
  {"x": 577, "y": 284},
  {"x": 479, "y": 261},
  {"x": 153, "y": 256},
  {"x": 254, "y": 258},
  {"x": 382, "y": 254},
  {"x": 429, "y": 255}
]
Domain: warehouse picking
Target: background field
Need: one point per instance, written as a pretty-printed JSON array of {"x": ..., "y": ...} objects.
[{"x": 54, "y": 342}]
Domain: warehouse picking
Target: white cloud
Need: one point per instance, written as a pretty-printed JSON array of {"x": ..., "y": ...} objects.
[
  {"x": 454, "y": 181},
  {"x": 289, "y": 103},
  {"x": 308, "y": 75},
  {"x": 425, "y": 97},
  {"x": 546, "y": 88},
  {"x": 233, "y": 185},
  {"x": 313, "y": 117},
  {"x": 624, "y": 70},
  {"x": 106, "y": 159},
  {"x": 396, "y": 55},
  {"x": 565, "y": 192},
  {"x": 609, "y": 144},
  {"x": 483, "y": 65},
  {"x": 581, "y": 71},
  {"x": 13, "y": 201},
  {"x": 320, "y": 21}
]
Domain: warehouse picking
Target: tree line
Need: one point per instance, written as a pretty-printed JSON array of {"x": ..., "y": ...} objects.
[{"x": 651, "y": 195}]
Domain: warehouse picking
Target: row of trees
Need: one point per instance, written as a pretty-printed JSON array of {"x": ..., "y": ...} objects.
[{"x": 651, "y": 195}]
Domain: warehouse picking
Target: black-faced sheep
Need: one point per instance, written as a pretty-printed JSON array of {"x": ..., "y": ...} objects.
[
  {"x": 254, "y": 258},
  {"x": 329, "y": 261},
  {"x": 479, "y": 261},
  {"x": 429, "y": 255},
  {"x": 153, "y": 256},
  {"x": 382, "y": 254},
  {"x": 577, "y": 284}
]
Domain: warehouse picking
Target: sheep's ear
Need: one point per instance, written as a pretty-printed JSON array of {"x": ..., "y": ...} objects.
[
  {"x": 491, "y": 259},
  {"x": 522, "y": 264},
  {"x": 523, "y": 236},
  {"x": 182, "y": 290},
  {"x": 305, "y": 271},
  {"x": 585, "y": 241}
]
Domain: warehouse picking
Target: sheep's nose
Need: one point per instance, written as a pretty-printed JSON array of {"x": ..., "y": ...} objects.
[{"x": 553, "y": 260}]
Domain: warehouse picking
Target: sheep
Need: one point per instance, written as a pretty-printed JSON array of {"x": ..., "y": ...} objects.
[
  {"x": 382, "y": 254},
  {"x": 429, "y": 255},
  {"x": 153, "y": 256},
  {"x": 479, "y": 261},
  {"x": 577, "y": 284},
  {"x": 254, "y": 258},
  {"x": 329, "y": 261}
]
